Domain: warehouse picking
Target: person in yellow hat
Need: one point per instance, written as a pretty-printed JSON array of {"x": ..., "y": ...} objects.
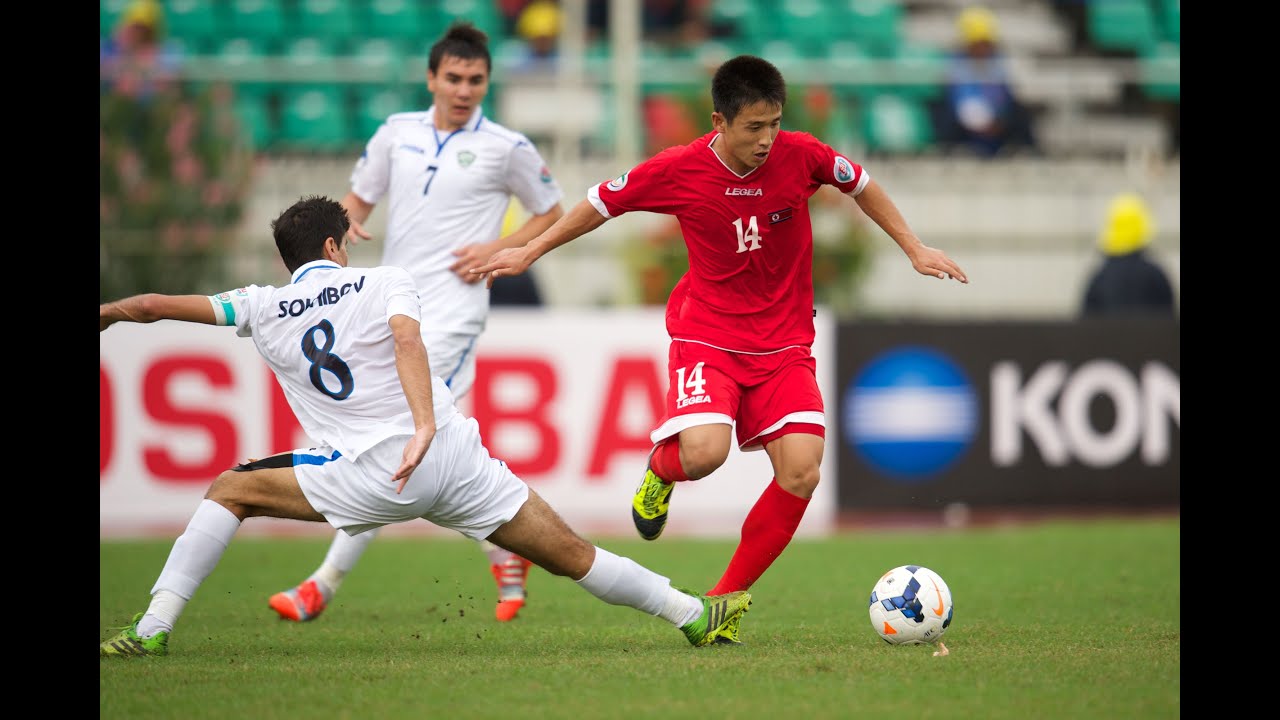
[
  {"x": 980, "y": 114},
  {"x": 1127, "y": 281}
]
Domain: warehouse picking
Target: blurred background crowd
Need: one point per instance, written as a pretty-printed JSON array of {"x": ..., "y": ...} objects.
[{"x": 1006, "y": 129}]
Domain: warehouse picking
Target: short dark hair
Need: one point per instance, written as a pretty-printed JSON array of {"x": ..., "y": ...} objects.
[
  {"x": 462, "y": 40},
  {"x": 301, "y": 230},
  {"x": 746, "y": 80}
]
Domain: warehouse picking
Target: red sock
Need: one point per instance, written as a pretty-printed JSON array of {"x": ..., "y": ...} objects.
[
  {"x": 665, "y": 462},
  {"x": 765, "y": 534}
]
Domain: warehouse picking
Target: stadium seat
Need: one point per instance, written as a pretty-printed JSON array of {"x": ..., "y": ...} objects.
[
  {"x": 918, "y": 71},
  {"x": 808, "y": 24},
  {"x": 260, "y": 19},
  {"x": 254, "y": 113},
  {"x": 377, "y": 59},
  {"x": 1161, "y": 72},
  {"x": 109, "y": 12},
  {"x": 241, "y": 61},
  {"x": 335, "y": 21},
  {"x": 373, "y": 106},
  {"x": 874, "y": 24},
  {"x": 194, "y": 21},
  {"x": 403, "y": 20},
  {"x": 314, "y": 119},
  {"x": 849, "y": 62},
  {"x": 484, "y": 13},
  {"x": 1171, "y": 19},
  {"x": 894, "y": 124},
  {"x": 749, "y": 20},
  {"x": 1123, "y": 25},
  {"x": 308, "y": 61}
]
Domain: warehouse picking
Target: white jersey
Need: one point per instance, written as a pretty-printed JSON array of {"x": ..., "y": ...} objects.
[
  {"x": 326, "y": 337},
  {"x": 448, "y": 190}
]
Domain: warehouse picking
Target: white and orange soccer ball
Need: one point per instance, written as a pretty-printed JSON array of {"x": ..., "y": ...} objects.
[{"x": 911, "y": 605}]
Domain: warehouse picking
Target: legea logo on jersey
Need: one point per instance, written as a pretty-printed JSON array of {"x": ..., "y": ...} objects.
[
  {"x": 843, "y": 169},
  {"x": 910, "y": 413},
  {"x": 618, "y": 183},
  {"x": 466, "y": 157},
  {"x": 545, "y": 175}
]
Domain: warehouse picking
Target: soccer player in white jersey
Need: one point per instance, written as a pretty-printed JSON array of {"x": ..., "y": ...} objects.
[
  {"x": 447, "y": 174},
  {"x": 741, "y": 319},
  {"x": 346, "y": 347}
]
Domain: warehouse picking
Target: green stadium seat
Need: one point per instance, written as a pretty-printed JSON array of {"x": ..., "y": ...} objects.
[
  {"x": 109, "y": 12},
  {"x": 783, "y": 53},
  {"x": 484, "y": 13},
  {"x": 261, "y": 19},
  {"x": 309, "y": 60},
  {"x": 1124, "y": 25},
  {"x": 894, "y": 124},
  {"x": 849, "y": 61},
  {"x": 1161, "y": 72},
  {"x": 918, "y": 71},
  {"x": 379, "y": 60},
  {"x": 1171, "y": 19},
  {"x": 314, "y": 119},
  {"x": 241, "y": 61},
  {"x": 254, "y": 113},
  {"x": 194, "y": 21},
  {"x": 373, "y": 105},
  {"x": 403, "y": 20},
  {"x": 749, "y": 18},
  {"x": 333, "y": 20},
  {"x": 874, "y": 24},
  {"x": 809, "y": 24}
]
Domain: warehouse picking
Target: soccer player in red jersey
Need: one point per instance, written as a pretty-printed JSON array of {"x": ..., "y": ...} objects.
[{"x": 741, "y": 318}]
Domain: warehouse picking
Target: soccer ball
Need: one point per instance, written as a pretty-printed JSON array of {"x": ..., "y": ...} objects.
[{"x": 910, "y": 605}]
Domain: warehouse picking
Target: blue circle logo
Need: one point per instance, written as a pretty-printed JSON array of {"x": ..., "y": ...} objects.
[{"x": 910, "y": 413}]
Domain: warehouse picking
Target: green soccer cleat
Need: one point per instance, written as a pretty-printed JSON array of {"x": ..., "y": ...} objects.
[
  {"x": 729, "y": 635},
  {"x": 718, "y": 613},
  {"x": 650, "y": 504},
  {"x": 126, "y": 643}
]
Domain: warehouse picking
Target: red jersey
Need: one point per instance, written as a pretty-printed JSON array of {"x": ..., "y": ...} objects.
[{"x": 749, "y": 287}]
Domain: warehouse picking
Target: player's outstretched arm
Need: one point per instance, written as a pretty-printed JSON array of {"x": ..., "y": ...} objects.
[
  {"x": 875, "y": 202},
  {"x": 151, "y": 307},
  {"x": 582, "y": 219},
  {"x": 477, "y": 254},
  {"x": 415, "y": 378}
]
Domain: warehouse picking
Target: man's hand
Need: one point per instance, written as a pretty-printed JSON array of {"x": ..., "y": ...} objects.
[
  {"x": 356, "y": 233},
  {"x": 512, "y": 261},
  {"x": 934, "y": 262},
  {"x": 472, "y": 256},
  {"x": 413, "y": 454}
]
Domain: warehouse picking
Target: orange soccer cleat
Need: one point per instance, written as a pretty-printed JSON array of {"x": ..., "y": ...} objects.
[{"x": 511, "y": 576}]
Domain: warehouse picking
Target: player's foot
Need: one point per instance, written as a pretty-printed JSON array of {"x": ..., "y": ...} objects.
[
  {"x": 650, "y": 504},
  {"x": 718, "y": 611},
  {"x": 729, "y": 636},
  {"x": 126, "y": 643},
  {"x": 511, "y": 575},
  {"x": 299, "y": 604}
]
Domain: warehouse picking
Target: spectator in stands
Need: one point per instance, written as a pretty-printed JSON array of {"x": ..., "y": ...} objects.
[
  {"x": 133, "y": 62},
  {"x": 979, "y": 112},
  {"x": 538, "y": 25},
  {"x": 1127, "y": 282}
]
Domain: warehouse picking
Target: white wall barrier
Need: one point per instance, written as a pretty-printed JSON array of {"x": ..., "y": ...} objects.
[{"x": 566, "y": 397}]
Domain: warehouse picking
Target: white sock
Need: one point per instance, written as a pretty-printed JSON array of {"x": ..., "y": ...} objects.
[
  {"x": 621, "y": 581},
  {"x": 496, "y": 555},
  {"x": 343, "y": 555},
  {"x": 194, "y": 555}
]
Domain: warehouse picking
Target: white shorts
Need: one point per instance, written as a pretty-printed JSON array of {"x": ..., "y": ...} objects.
[
  {"x": 457, "y": 485},
  {"x": 453, "y": 359}
]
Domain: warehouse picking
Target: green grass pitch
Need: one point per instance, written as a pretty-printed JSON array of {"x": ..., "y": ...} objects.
[{"x": 1075, "y": 619}]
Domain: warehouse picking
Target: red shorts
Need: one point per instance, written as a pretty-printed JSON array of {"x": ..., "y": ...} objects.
[{"x": 757, "y": 393}]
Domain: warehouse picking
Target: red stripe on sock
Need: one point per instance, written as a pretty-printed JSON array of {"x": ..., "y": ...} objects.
[
  {"x": 665, "y": 462},
  {"x": 766, "y": 532}
]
